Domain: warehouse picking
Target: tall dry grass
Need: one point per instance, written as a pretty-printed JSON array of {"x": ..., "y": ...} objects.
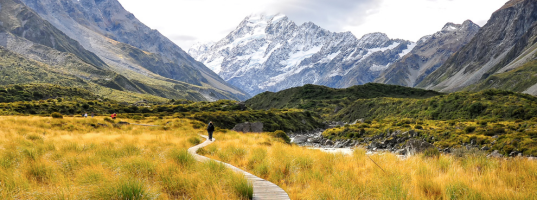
[
  {"x": 312, "y": 174},
  {"x": 77, "y": 158}
]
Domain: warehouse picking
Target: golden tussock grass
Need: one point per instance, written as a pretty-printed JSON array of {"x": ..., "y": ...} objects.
[
  {"x": 312, "y": 174},
  {"x": 77, "y": 158}
]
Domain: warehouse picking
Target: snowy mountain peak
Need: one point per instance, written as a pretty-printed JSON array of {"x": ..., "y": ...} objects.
[
  {"x": 271, "y": 53},
  {"x": 451, "y": 27}
]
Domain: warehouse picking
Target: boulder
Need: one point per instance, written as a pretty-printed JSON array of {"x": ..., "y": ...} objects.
[
  {"x": 300, "y": 139},
  {"x": 400, "y": 152},
  {"x": 495, "y": 154},
  {"x": 485, "y": 148},
  {"x": 328, "y": 143},
  {"x": 414, "y": 146},
  {"x": 256, "y": 127},
  {"x": 247, "y": 127}
]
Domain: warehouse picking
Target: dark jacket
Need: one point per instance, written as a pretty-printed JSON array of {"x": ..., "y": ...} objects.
[{"x": 210, "y": 128}]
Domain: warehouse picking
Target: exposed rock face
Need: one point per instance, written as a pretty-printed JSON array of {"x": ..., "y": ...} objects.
[
  {"x": 415, "y": 146},
  {"x": 247, "y": 127},
  {"x": 429, "y": 54},
  {"x": 503, "y": 44},
  {"x": 272, "y": 53},
  {"x": 130, "y": 48}
]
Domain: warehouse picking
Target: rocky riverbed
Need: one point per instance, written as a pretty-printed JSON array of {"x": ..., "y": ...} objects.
[{"x": 398, "y": 142}]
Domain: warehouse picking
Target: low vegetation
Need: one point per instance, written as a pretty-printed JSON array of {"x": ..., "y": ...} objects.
[
  {"x": 312, "y": 174},
  {"x": 504, "y": 136},
  {"x": 77, "y": 158},
  {"x": 489, "y": 104}
]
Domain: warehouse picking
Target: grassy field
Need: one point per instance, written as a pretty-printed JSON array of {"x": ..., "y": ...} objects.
[
  {"x": 312, "y": 174},
  {"x": 77, "y": 158}
]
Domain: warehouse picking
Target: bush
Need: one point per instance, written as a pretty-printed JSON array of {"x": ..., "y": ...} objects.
[
  {"x": 56, "y": 115},
  {"x": 282, "y": 135},
  {"x": 495, "y": 131},
  {"x": 469, "y": 129},
  {"x": 419, "y": 127}
]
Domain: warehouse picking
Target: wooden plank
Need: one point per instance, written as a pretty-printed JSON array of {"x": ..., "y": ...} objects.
[{"x": 263, "y": 189}]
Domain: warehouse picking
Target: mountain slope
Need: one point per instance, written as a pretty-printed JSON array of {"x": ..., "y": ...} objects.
[
  {"x": 498, "y": 47},
  {"x": 305, "y": 96},
  {"x": 430, "y": 53},
  {"x": 24, "y": 22},
  {"x": 129, "y": 47},
  {"x": 272, "y": 53}
]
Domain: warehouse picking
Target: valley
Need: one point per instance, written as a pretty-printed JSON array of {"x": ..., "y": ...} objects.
[{"x": 95, "y": 104}]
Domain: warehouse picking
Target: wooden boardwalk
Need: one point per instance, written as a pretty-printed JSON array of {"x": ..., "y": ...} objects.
[{"x": 263, "y": 189}]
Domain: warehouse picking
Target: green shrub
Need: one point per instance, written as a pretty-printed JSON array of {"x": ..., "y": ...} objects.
[
  {"x": 56, "y": 115},
  {"x": 495, "y": 131},
  {"x": 418, "y": 127},
  {"x": 469, "y": 129},
  {"x": 282, "y": 135}
]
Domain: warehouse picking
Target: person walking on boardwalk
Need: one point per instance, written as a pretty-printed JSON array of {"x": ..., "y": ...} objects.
[{"x": 210, "y": 130}]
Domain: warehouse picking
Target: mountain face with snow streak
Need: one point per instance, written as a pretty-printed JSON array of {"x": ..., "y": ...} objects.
[
  {"x": 429, "y": 54},
  {"x": 272, "y": 53}
]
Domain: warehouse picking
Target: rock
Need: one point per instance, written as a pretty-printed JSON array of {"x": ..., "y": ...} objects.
[
  {"x": 485, "y": 148},
  {"x": 257, "y": 127},
  {"x": 329, "y": 143},
  {"x": 247, "y": 127},
  {"x": 513, "y": 153},
  {"x": 300, "y": 139},
  {"x": 242, "y": 105},
  {"x": 358, "y": 121},
  {"x": 414, "y": 146},
  {"x": 495, "y": 137},
  {"x": 495, "y": 154},
  {"x": 532, "y": 158},
  {"x": 401, "y": 152}
]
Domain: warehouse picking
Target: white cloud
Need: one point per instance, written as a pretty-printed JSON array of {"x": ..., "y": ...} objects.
[{"x": 184, "y": 21}]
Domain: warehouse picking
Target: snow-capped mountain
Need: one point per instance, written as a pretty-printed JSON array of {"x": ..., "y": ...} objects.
[{"x": 272, "y": 53}]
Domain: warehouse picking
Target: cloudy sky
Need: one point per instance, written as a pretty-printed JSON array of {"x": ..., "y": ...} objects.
[{"x": 188, "y": 21}]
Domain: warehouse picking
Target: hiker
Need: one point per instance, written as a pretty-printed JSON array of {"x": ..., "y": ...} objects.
[
  {"x": 85, "y": 115},
  {"x": 210, "y": 130},
  {"x": 92, "y": 115},
  {"x": 113, "y": 116}
]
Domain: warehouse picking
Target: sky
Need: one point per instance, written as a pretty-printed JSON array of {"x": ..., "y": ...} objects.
[{"x": 187, "y": 22}]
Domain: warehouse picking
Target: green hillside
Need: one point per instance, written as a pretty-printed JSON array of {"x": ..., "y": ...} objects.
[
  {"x": 493, "y": 104},
  {"x": 326, "y": 101}
]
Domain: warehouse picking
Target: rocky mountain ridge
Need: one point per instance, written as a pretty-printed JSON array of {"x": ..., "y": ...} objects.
[
  {"x": 132, "y": 49},
  {"x": 505, "y": 43},
  {"x": 272, "y": 53},
  {"x": 429, "y": 54}
]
